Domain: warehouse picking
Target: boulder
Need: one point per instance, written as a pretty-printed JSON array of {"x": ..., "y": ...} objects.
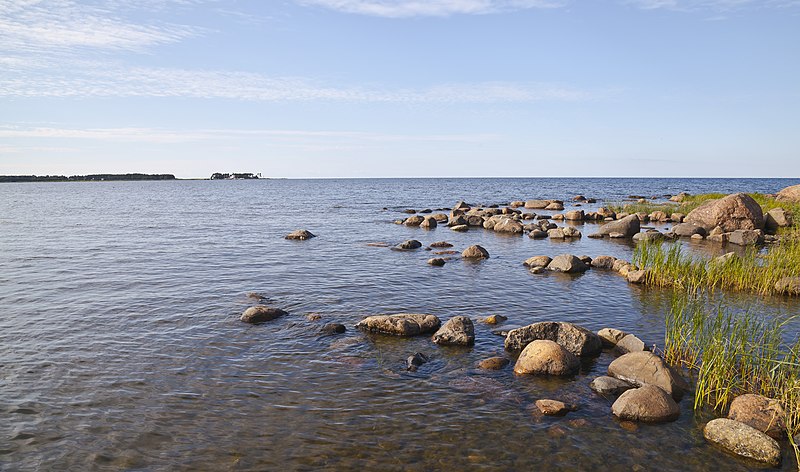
[
  {"x": 516, "y": 204},
  {"x": 567, "y": 263},
  {"x": 410, "y": 244},
  {"x": 508, "y": 225},
  {"x": 539, "y": 204},
  {"x": 460, "y": 228},
  {"x": 475, "y": 252},
  {"x": 736, "y": 211},
  {"x": 648, "y": 236},
  {"x": 428, "y": 222},
  {"x": 788, "y": 285},
  {"x": 745, "y": 237},
  {"x": 610, "y": 336},
  {"x": 578, "y": 198},
  {"x": 436, "y": 262},
  {"x": 556, "y": 233},
  {"x": 554, "y": 407},
  {"x": 777, "y": 218},
  {"x": 637, "y": 276},
  {"x": 457, "y": 221},
  {"x": 789, "y": 194},
  {"x": 677, "y": 217},
  {"x": 606, "y": 385},
  {"x": 576, "y": 339},
  {"x": 762, "y": 413},
  {"x": 300, "y": 234},
  {"x": 646, "y": 368},
  {"x": 557, "y": 206},
  {"x": 457, "y": 331},
  {"x": 493, "y": 363},
  {"x": 400, "y": 324},
  {"x": 537, "y": 261},
  {"x": 574, "y": 215},
  {"x": 261, "y": 314},
  {"x": 604, "y": 213},
  {"x": 648, "y": 404},
  {"x": 627, "y": 227},
  {"x": 543, "y": 357},
  {"x": 441, "y": 244},
  {"x": 461, "y": 206},
  {"x": 440, "y": 218},
  {"x": 687, "y": 230},
  {"x": 743, "y": 440},
  {"x": 415, "y": 220},
  {"x": 603, "y": 262},
  {"x": 658, "y": 215},
  {"x": 629, "y": 343},
  {"x": 537, "y": 234},
  {"x": 571, "y": 232},
  {"x": 475, "y": 220}
]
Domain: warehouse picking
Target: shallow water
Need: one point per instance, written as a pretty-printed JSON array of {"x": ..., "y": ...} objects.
[{"x": 120, "y": 345}]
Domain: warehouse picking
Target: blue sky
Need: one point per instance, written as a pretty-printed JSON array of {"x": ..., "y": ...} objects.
[{"x": 381, "y": 88}]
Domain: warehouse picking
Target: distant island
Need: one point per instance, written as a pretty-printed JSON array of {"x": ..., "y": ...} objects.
[
  {"x": 84, "y": 178},
  {"x": 235, "y": 176}
]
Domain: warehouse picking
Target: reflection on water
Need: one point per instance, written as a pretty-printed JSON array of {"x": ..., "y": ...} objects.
[{"x": 120, "y": 345}]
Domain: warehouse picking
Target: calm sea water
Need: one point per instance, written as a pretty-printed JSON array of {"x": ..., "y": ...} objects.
[{"x": 121, "y": 348}]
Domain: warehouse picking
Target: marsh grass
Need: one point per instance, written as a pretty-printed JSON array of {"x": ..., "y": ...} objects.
[
  {"x": 733, "y": 354},
  {"x": 668, "y": 208}
]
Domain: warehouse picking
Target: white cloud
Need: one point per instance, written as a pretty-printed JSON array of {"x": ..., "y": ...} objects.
[
  {"x": 59, "y": 26},
  {"x": 409, "y": 8},
  {"x": 35, "y": 78},
  {"x": 716, "y": 5}
]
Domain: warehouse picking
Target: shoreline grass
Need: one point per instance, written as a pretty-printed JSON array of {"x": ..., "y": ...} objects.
[{"x": 733, "y": 354}]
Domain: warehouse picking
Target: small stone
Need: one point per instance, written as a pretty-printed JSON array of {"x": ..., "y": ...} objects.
[
  {"x": 436, "y": 262},
  {"x": 494, "y": 319},
  {"x": 554, "y": 407},
  {"x": 410, "y": 244},
  {"x": 610, "y": 336},
  {"x": 300, "y": 234},
  {"x": 333, "y": 328},
  {"x": 313, "y": 317},
  {"x": 441, "y": 244},
  {"x": 493, "y": 363},
  {"x": 414, "y": 361}
]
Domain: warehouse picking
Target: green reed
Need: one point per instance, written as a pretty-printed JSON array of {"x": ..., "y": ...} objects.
[{"x": 733, "y": 354}]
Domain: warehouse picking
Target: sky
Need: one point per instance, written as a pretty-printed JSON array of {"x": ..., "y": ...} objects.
[{"x": 401, "y": 88}]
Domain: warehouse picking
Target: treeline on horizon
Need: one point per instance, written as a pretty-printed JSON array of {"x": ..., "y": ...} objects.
[{"x": 84, "y": 178}]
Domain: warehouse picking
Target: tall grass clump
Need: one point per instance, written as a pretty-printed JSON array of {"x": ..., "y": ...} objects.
[
  {"x": 733, "y": 354},
  {"x": 669, "y": 265}
]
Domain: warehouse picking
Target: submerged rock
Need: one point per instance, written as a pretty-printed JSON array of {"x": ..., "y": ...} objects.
[
  {"x": 401, "y": 324},
  {"x": 543, "y": 357},
  {"x": 648, "y": 404},
  {"x": 261, "y": 314},
  {"x": 576, "y": 339},
  {"x": 646, "y": 368},
  {"x": 495, "y": 319},
  {"x": 410, "y": 244},
  {"x": 436, "y": 262},
  {"x": 554, "y": 407},
  {"x": 441, "y": 244},
  {"x": 743, "y": 440},
  {"x": 415, "y": 361},
  {"x": 300, "y": 234},
  {"x": 333, "y": 328},
  {"x": 457, "y": 331},
  {"x": 493, "y": 363}
]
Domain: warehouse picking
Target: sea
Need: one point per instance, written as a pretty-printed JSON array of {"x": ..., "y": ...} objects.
[{"x": 121, "y": 346}]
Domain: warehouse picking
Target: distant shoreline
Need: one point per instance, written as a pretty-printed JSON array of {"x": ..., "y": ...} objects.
[{"x": 133, "y": 177}]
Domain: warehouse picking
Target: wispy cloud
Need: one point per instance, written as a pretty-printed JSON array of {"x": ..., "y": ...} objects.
[
  {"x": 410, "y": 8},
  {"x": 28, "y": 77},
  {"x": 60, "y": 26},
  {"x": 715, "y": 5}
]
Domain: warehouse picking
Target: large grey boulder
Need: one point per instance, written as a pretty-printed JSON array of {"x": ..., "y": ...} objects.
[
  {"x": 567, "y": 263},
  {"x": 646, "y": 368},
  {"x": 627, "y": 227},
  {"x": 648, "y": 404},
  {"x": 743, "y": 440},
  {"x": 576, "y": 339},
  {"x": 400, "y": 324},
  {"x": 762, "y": 413},
  {"x": 261, "y": 314},
  {"x": 789, "y": 194},
  {"x": 457, "y": 331},
  {"x": 544, "y": 357},
  {"x": 736, "y": 211}
]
